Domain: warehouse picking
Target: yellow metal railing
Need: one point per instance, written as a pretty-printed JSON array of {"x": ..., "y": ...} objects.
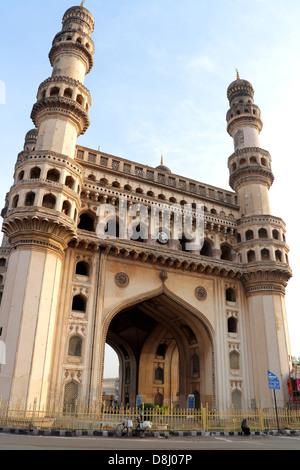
[{"x": 99, "y": 418}]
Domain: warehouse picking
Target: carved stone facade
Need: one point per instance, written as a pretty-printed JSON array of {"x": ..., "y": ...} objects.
[{"x": 208, "y": 320}]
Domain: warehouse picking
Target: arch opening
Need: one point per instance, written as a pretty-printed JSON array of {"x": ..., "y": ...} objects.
[{"x": 165, "y": 353}]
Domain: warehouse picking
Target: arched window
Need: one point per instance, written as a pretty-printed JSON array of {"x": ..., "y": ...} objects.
[
  {"x": 70, "y": 397},
  {"x": 232, "y": 325},
  {"x": 69, "y": 182},
  {"x": 161, "y": 350},
  {"x": 159, "y": 375},
  {"x": 53, "y": 175},
  {"x": 82, "y": 268},
  {"x": 54, "y": 91},
  {"x": 236, "y": 400},
  {"x": 2, "y": 262},
  {"x": 21, "y": 176},
  {"x": 158, "y": 400},
  {"x": 262, "y": 233},
  {"x": 79, "y": 99},
  {"x": 275, "y": 234},
  {"x": 278, "y": 256},
  {"x": 29, "y": 199},
  {"x": 79, "y": 303},
  {"x": 75, "y": 346},
  {"x": 230, "y": 295},
  {"x": 35, "y": 173},
  {"x": 226, "y": 252},
  {"x": 15, "y": 201},
  {"x": 49, "y": 201},
  {"x": 251, "y": 256},
  {"x": 66, "y": 208},
  {"x": 234, "y": 359},
  {"x": 249, "y": 235},
  {"x": 68, "y": 93},
  {"x": 86, "y": 222},
  {"x": 206, "y": 249},
  {"x": 265, "y": 254}
]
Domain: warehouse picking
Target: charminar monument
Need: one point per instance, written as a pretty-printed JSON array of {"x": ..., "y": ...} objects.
[{"x": 184, "y": 280}]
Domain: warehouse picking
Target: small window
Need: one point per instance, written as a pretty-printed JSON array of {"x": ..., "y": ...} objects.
[
  {"x": 79, "y": 99},
  {"x": 232, "y": 325},
  {"x": 75, "y": 346},
  {"x": 2, "y": 262},
  {"x": 234, "y": 359},
  {"x": 86, "y": 222},
  {"x": 15, "y": 202},
  {"x": 70, "y": 182},
  {"x": 251, "y": 256},
  {"x": 82, "y": 268},
  {"x": 161, "y": 350},
  {"x": 68, "y": 93},
  {"x": 66, "y": 208},
  {"x": 79, "y": 303},
  {"x": 35, "y": 173},
  {"x": 265, "y": 254},
  {"x": 275, "y": 234},
  {"x": 262, "y": 233},
  {"x": 29, "y": 199},
  {"x": 226, "y": 253},
  {"x": 206, "y": 249},
  {"x": 49, "y": 201},
  {"x": 54, "y": 91},
  {"x": 230, "y": 295},
  {"x": 53, "y": 175},
  {"x": 159, "y": 375},
  {"x": 21, "y": 176},
  {"x": 278, "y": 256}
]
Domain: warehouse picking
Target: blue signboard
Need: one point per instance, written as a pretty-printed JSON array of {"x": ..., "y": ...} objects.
[
  {"x": 139, "y": 400},
  {"x": 191, "y": 402},
  {"x": 274, "y": 383}
]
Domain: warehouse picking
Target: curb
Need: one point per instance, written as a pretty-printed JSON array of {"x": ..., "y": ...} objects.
[{"x": 157, "y": 434}]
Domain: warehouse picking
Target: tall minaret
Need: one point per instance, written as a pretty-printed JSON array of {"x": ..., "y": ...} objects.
[
  {"x": 261, "y": 243},
  {"x": 250, "y": 166},
  {"x": 63, "y": 102},
  {"x": 41, "y": 213}
]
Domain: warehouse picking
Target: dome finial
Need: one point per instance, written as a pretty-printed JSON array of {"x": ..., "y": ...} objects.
[
  {"x": 237, "y": 75},
  {"x": 82, "y": 3},
  {"x": 162, "y": 159}
]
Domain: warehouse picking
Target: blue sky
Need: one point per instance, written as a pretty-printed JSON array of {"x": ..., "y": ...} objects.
[{"x": 162, "y": 68}]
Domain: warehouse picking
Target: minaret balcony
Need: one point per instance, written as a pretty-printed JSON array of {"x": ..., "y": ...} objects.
[{"x": 61, "y": 106}]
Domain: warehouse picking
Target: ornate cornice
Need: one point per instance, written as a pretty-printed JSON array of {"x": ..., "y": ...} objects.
[
  {"x": 251, "y": 174},
  {"x": 244, "y": 119},
  {"x": 64, "y": 106},
  {"x": 40, "y": 228},
  {"x": 68, "y": 47}
]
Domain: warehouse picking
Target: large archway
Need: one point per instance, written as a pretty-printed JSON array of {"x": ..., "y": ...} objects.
[{"x": 166, "y": 353}]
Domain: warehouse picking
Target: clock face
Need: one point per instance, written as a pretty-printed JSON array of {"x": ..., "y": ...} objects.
[{"x": 162, "y": 238}]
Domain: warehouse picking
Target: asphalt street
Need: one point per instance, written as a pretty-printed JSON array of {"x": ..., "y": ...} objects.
[{"x": 174, "y": 444}]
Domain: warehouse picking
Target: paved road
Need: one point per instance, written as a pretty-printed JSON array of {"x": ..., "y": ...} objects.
[{"x": 174, "y": 444}]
